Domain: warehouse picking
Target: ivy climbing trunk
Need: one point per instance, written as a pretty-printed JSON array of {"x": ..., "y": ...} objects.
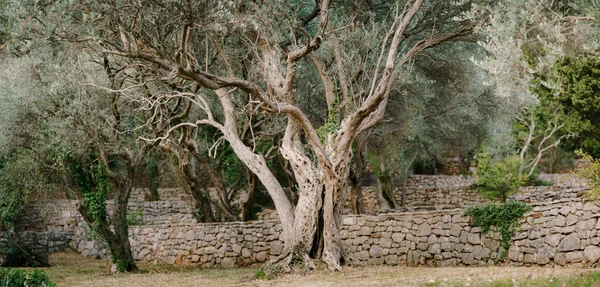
[{"x": 121, "y": 249}]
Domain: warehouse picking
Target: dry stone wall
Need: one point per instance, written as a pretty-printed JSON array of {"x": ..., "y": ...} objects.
[
  {"x": 561, "y": 232},
  {"x": 562, "y": 229}
]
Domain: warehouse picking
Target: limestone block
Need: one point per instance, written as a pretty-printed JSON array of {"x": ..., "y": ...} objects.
[
  {"x": 570, "y": 242},
  {"x": 572, "y": 219},
  {"x": 434, "y": 248},
  {"x": 422, "y": 246},
  {"x": 366, "y": 230},
  {"x": 227, "y": 262},
  {"x": 398, "y": 237},
  {"x": 575, "y": 256},
  {"x": 392, "y": 260},
  {"x": 375, "y": 251},
  {"x": 544, "y": 255},
  {"x": 362, "y": 255},
  {"x": 446, "y": 246},
  {"x": 424, "y": 230},
  {"x": 385, "y": 242},
  {"x": 560, "y": 221},
  {"x": 554, "y": 239},
  {"x": 474, "y": 238},
  {"x": 591, "y": 253},
  {"x": 565, "y": 210},
  {"x": 467, "y": 258},
  {"x": 560, "y": 259},
  {"x": 261, "y": 256}
]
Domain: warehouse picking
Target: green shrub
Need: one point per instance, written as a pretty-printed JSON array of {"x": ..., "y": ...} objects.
[
  {"x": 503, "y": 217},
  {"x": 10, "y": 277},
  {"x": 136, "y": 217},
  {"x": 499, "y": 179},
  {"x": 591, "y": 173}
]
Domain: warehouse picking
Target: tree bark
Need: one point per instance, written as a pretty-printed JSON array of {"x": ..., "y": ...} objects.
[
  {"x": 251, "y": 189},
  {"x": 121, "y": 249},
  {"x": 188, "y": 172}
]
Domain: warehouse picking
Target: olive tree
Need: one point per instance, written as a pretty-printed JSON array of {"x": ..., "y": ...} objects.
[{"x": 222, "y": 54}]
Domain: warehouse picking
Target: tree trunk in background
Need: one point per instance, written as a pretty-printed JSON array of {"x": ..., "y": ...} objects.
[
  {"x": 121, "y": 249},
  {"x": 252, "y": 190},
  {"x": 199, "y": 193},
  {"x": 220, "y": 189},
  {"x": 405, "y": 183},
  {"x": 153, "y": 179},
  {"x": 356, "y": 178},
  {"x": 356, "y": 199}
]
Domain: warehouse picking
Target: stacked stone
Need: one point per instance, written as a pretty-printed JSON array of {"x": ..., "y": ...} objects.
[
  {"x": 51, "y": 215},
  {"x": 532, "y": 194},
  {"x": 432, "y": 181},
  {"x": 435, "y": 238},
  {"x": 564, "y": 232},
  {"x": 165, "y": 194},
  {"x": 161, "y": 212},
  {"x": 564, "y": 180},
  {"x": 208, "y": 245},
  {"x": 447, "y": 197}
]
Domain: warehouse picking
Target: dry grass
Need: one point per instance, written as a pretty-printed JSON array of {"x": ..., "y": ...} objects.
[{"x": 74, "y": 270}]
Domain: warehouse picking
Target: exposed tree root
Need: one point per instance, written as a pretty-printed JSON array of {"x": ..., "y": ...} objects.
[{"x": 292, "y": 262}]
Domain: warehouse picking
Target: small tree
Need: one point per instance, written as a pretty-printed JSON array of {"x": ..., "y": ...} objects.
[
  {"x": 499, "y": 179},
  {"x": 591, "y": 173}
]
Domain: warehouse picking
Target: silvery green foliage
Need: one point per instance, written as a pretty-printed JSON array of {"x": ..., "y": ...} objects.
[
  {"x": 528, "y": 37},
  {"x": 525, "y": 38}
]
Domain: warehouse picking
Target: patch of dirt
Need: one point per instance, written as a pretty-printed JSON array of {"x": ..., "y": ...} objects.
[{"x": 75, "y": 270}]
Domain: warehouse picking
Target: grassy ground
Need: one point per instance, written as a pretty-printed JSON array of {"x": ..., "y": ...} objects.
[{"x": 74, "y": 270}]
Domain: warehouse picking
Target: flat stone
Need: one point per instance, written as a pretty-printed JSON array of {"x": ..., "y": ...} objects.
[
  {"x": 572, "y": 219},
  {"x": 424, "y": 230},
  {"x": 570, "y": 242},
  {"x": 560, "y": 221},
  {"x": 398, "y": 237},
  {"x": 575, "y": 256},
  {"x": 362, "y": 255},
  {"x": 591, "y": 253},
  {"x": 227, "y": 262},
  {"x": 366, "y": 230},
  {"x": 467, "y": 258},
  {"x": 392, "y": 260},
  {"x": 474, "y": 238},
  {"x": 560, "y": 259},
  {"x": 261, "y": 256},
  {"x": 455, "y": 230},
  {"x": 565, "y": 210},
  {"x": 385, "y": 242},
  {"x": 553, "y": 239},
  {"x": 544, "y": 254},
  {"x": 375, "y": 251},
  {"x": 435, "y": 249}
]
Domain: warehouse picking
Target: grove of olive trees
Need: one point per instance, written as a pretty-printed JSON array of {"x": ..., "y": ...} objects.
[{"x": 286, "y": 102}]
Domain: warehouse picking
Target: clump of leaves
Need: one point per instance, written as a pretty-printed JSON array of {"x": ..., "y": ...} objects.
[
  {"x": 499, "y": 179},
  {"x": 136, "y": 217},
  {"x": 19, "y": 277},
  {"x": 265, "y": 273},
  {"x": 591, "y": 173},
  {"x": 502, "y": 218}
]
